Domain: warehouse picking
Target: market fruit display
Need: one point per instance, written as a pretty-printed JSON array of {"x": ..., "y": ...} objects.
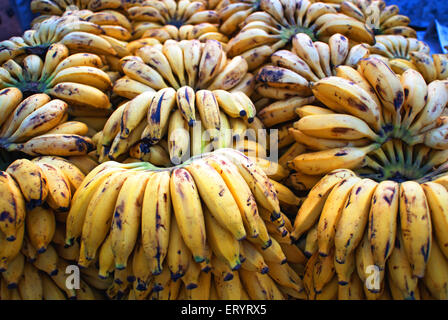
[{"x": 223, "y": 150}]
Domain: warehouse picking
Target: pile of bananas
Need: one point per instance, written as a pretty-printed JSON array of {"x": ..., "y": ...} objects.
[{"x": 139, "y": 142}]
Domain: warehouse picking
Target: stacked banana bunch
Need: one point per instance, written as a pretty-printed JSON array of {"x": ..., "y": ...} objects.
[
  {"x": 72, "y": 30},
  {"x": 212, "y": 227},
  {"x": 381, "y": 144},
  {"x": 183, "y": 90},
  {"x": 273, "y": 27},
  {"x": 74, "y": 78},
  {"x": 381, "y": 18},
  {"x": 38, "y": 125},
  {"x": 354, "y": 227},
  {"x": 284, "y": 85},
  {"x": 408, "y": 53},
  {"x": 176, "y": 20},
  {"x": 365, "y": 109},
  {"x": 35, "y": 197}
]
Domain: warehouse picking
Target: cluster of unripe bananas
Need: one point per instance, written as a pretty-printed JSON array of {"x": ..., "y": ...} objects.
[{"x": 223, "y": 149}]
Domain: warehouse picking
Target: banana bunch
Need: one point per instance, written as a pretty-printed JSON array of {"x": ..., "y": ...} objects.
[
  {"x": 38, "y": 125},
  {"x": 289, "y": 75},
  {"x": 408, "y": 53},
  {"x": 183, "y": 63},
  {"x": 382, "y": 18},
  {"x": 78, "y": 34},
  {"x": 366, "y": 109},
  {"x": 46, "y": 9},
  {"x": 177, "y": 20},
  {"x": 278, "y": 21},
  {"x": 148, "y": 227},
  {"x": 373, "y": 239},
  {"x": 188, "y": 123},
  {"x": 76, "y": 79},
  {"x": 232, "y": 13}
]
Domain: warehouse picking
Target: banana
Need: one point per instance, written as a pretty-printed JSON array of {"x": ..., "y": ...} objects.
[
  {"x": 40, "y": 121},
  {"x": 156, "y": 220},
  {"x": 311, "y": 208},
  {"x": 400, "y": 271},
  {"x": 253, "y": 259},
  {"x": 30, "y": 285},
  {"x": 83, "y": 74},
  {"x": 47, "y": 261},
  {"x": 127, "y": 218},
  {"x": 331, "y": 213},
  {"x": 228, "y": 103},
  {"x": 382, "y": 224},
  {"x": 416, "y": 95},
  {"x": 31, "y": 180},
  {"x": 72, "y": 173},
  {"x": 373, "y": 284},
  {"x": 228, "y": 289},
  {"x": 71, "y": 127},
  {"x": 415, "y": 222},
  {"x": 134, "y": 112},
  {"x": 83, "y": 41},
  {"x": 353, "y": 220},
  {"x": 99, "y": 214},
  {"x": 14, "y": 271},
  {"x": 140, "y": 269},
  {"x": 50, "y": 290},
  {"x": 10, "y": 249},
  {"x": 185, "y": 98},
  {"x": 345, "y": 270},
  {"x": 158, "y": 114},
  {"x": 435, "y": 278},
  {"x": 256, "y": 179},
  {"x": 321, "y": 162},
  {"x": 59, "y": 192},
  {"x": 335, "y": 126},
  {"x": 222, "y": 242},
  {"x": 233, "y": 74},
  {"x": 40, "y": 226},
  {"x": 344, "y": 96},
  {"x": 23, "y": 110},
  {"x": 54, "y": 144},
  {"x": 81, "y": 199},
  {"x": 188, "y": 211},
  {"x": 106, "y": 259},
  {"x": 12, "y": 206},
  {"x": 178, "y": 254},
  {"x": 352, "y": 291},
  {"x": 217, "y": 197},
  {"x": 240, "y": 191},
  {"x": 385, "y": 82},
  {"x": 9, "y": 100},
  {"x": 436, "y": 195},
  {"x": 178, "y": 137},
  {"x": 208, "y": 108},
  {"x": 436, "y": 101},
  {"x": 255, "y": 284},
  {"x": 245, "y": 102},
  {"x": 78, "y": 94},
  {"x": 60, "y": 279}
]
